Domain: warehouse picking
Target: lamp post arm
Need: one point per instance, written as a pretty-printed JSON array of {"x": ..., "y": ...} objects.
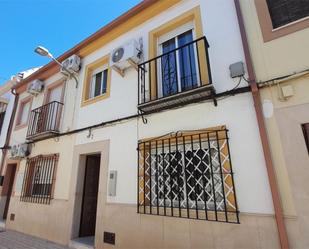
[{"x": 65, "y": 69}]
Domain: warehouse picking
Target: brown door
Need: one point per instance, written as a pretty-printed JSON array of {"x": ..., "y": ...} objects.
[
  {"x": 90, "y": 196},
  {"x": 8, "y": 187}
]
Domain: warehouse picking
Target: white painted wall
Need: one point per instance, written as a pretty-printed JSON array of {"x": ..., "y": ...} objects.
[{"x": 237, "y": 113}]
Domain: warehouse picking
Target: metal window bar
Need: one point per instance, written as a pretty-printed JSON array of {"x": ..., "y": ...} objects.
[
  {"x": 153, "y": 72},
  {"x": 187, "y": 176},
  {"x": 44, "y": 119},
  {"x": 39, "y": 178}
]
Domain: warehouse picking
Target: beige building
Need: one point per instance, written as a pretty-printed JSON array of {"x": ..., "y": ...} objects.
[{"x": 278, "y": 37}]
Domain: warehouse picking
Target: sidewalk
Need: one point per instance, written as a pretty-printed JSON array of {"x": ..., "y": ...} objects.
[{"x": 15, "y": 240}]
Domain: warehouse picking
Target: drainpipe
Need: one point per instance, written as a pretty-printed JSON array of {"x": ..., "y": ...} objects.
[
  {"x": 9, "y": 131},
  {"x": 263, "y": 134}
]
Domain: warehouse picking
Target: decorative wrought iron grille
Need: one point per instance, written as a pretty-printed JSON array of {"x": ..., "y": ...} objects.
[
  {"x": 187, "y": 175},
  {"x": 39, "y": 178},
  {"x": 45, "y": 119}
]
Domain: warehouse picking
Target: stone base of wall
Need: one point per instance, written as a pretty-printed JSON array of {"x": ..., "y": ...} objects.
[
  {"x": 44, "y": 221},
  {"x": 150, "y": 231}
]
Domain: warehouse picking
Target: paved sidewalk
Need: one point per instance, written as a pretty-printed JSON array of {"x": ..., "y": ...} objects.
[{"x": 15, "y": 240}]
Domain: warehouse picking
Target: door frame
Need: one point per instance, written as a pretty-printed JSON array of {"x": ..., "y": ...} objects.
[
  {"x": 8, "y": 185},
  {"x": 83, "y": 195},
  {"x": 79, "y": 160}
]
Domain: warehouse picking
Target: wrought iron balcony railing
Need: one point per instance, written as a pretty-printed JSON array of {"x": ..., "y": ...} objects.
[
  {"x": 44, "y": 121},
  {"x": 177, "y": 77}
]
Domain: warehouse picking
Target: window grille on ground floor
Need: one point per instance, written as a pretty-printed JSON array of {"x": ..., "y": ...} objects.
[
  {"x": 188, "y": 175},
  {"x": 39, "y": 178}
]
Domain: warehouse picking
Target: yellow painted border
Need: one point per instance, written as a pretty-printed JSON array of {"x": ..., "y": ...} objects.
[
  {"x": 191, "y": 15},
  {"x": 88, "y": 73},
  {"x": 131, "y": 23}
]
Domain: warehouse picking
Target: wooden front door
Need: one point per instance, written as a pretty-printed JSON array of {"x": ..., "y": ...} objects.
[
  {"x": 8, "y": 186},
  {"x": 90, "y": 196}
]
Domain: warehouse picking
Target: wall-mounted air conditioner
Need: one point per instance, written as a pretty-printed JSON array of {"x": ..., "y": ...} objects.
[
  {"x": 19, "y": 151},
  {"x": 72, "y": 64},
  {"x": 35, "y": 87},
  {"x": 126, "y": 56}
]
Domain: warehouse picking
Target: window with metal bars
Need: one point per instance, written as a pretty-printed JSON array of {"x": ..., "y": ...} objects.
[
  {"x": 187, "y": 175},
  {"x": 283, "y": 12},
  {"x": 39, "y": 179}
]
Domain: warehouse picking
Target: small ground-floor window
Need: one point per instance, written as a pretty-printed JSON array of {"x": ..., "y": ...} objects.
[
  {"x": 39, "y": 178},
  {"x": 189, "y": 175}
]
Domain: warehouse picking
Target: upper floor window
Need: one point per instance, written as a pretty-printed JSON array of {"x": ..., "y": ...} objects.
[
  {"x": 23, "y": 112},
  {"x": 55, "y": 92},
  {"x": 178, "y": 67},
  {"x": 283, "y": 12},
  {"x": 306, "y": 134},
  {"x": 97, "y": 81}
]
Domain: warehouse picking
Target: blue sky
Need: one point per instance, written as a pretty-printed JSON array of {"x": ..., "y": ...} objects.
[{"x": 55, "y": 24}]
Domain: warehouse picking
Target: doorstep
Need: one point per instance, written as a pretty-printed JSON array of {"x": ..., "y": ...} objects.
[
  {"x": 2, "y": 225},
  {"x": 83, "y": 243}
]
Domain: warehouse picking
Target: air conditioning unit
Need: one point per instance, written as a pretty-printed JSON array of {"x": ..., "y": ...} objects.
[
  {"x": 126, "y": 56},
  {"x": 19, "y": 151},
  {"x": 72, "y": 64},
  {"x": 35, "y": 87}
]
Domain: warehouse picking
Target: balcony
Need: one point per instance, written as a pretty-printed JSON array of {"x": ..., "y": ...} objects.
[
  {"x": 178, "y": 77},
  {"x": 44, "y": 121}
]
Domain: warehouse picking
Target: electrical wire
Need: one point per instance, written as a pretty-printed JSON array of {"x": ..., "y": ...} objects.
[
  {"x": 231, "y": 90},
  {"x": 266, "y": 82}
]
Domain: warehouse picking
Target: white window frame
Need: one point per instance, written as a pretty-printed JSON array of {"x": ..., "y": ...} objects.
[
  {"x": 92, "y": 81},
  {"x": 173, "y": 35}
]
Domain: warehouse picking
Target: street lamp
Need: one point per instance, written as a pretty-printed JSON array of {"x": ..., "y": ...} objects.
[{"x": 44, "y": 52}]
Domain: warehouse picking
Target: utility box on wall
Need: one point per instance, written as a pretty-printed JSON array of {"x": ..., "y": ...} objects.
[
  {"x": 112, "y": 183},
  {"x": 237, "y": 69}
]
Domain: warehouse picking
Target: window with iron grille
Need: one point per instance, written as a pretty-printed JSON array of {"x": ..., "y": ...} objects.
[
  {"x": 283, "y": 12},
  {"x": 39, "y": 178},
  {"x": 187, "y": 175}
]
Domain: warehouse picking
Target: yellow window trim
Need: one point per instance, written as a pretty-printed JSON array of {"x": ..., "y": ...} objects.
[
  {"x": 87, "y": 79},
  {"x": 191, "y": 15}
]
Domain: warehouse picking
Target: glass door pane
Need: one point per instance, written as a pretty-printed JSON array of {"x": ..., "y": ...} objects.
[
  {"x": 187, "y": 62},
  {"x": 169, "y": 69}
]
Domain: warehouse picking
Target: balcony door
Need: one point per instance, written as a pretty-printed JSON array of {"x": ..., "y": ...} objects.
[
  {"x": 49, "y": 117},
  {"x": 178, "y": 67}
]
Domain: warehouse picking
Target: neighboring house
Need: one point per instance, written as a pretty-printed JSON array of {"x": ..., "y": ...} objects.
[
  {"x": 278, "y": 37},
  {"x": 7, "y": 109},
  {"x": 142, "y": 155}
]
